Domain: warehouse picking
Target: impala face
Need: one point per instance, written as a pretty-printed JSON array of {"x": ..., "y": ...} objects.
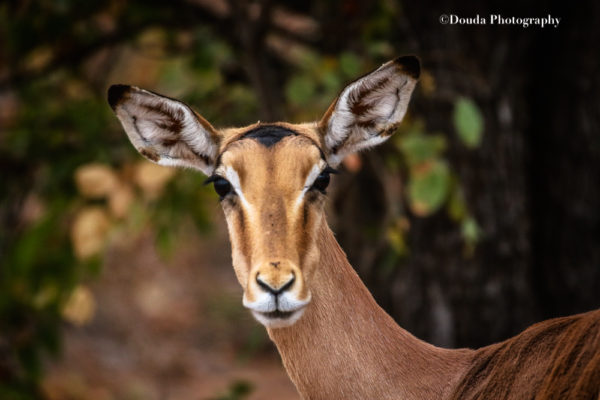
[
  {"x": 271, "y": 183},
  {"x": 271, "y": 178}
]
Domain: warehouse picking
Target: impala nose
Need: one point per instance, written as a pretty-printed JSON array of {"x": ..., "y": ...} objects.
[
  {"x": 276, "y": 288},
  {"x": 276, "y": 293}
]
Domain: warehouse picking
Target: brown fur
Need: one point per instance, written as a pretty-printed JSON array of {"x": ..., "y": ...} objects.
[
  {"x": 347, "y": 347},
  {"x": 273, "y": 230},
  {"x": 554, "y": 359}
]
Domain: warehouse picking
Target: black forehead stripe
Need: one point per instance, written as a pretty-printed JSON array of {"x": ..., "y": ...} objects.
[
  {"x": 262, "y": 132},
  {"x": 268, "y": 135}
]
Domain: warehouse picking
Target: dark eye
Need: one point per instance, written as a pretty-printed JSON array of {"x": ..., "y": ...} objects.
[
  {"x": 323, "y": 179},
  {"x": 321, "y": 182},
  {"x": 221, "y": 185}
]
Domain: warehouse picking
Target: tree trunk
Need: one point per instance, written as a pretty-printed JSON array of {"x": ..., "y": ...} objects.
[{"x": 532, "y": 185}]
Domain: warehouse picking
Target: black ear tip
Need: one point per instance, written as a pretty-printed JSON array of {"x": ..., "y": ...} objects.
[
  {"x": 116, "y": 93},
  {"x": 410, "y": 65}
]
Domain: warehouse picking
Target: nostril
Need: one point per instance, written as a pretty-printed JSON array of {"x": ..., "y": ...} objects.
[
  {"x": 263, "y": 285},
  {"x": 274, "y": 290},
  {"x": 288, "y": 284}
]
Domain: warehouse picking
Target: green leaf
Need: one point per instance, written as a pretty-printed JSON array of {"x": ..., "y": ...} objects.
[
  {"x": 300, "y": 90},
  {"x": 166, "y": 241},
  {"x": 331, "y": 82},
  {"x": 470, "y": 231},
  {"x": 468, "y": 122},
  {"x": 395, "y": 237},
  {"x": 418, "y": 147},
  {"x": 428, "y": 187},
  {"x": 457, "y": 207},
  {"x": 237, "y": 390},
  {"x": 349, "y": 64}
]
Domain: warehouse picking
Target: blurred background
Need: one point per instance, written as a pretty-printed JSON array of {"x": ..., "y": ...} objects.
[{"x": 478, "y": 218}]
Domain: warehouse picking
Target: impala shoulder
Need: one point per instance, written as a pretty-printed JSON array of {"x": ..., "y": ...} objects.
[{"x": 559, "y": 355}]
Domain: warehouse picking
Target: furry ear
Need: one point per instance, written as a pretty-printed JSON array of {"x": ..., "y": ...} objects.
[
  {"x": 164, "y": 130},
  {"x": 368, "y": 110}
]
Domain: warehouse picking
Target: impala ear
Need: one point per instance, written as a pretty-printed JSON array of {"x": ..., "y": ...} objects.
[
  {"x": 164, "y": 130},
  {"x": 369, "y": 110}
]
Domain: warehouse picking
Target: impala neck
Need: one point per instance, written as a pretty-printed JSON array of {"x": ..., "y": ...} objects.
[{"x": 346, "y": 347}]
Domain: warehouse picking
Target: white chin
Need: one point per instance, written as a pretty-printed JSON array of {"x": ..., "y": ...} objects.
[{"x": 278, "y": 320}]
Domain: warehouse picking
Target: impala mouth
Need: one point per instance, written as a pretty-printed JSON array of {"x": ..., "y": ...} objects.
[
  {"x": 278, "y": 318},
  {"x": 277, "y": 314},
  {"x": 276, "y": 311}
]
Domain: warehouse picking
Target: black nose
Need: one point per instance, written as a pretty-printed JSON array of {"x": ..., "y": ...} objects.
[{"x": 275, "y": 290}]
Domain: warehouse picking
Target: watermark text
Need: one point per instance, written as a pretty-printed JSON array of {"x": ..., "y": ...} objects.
[{"x": 498, "y": 19}]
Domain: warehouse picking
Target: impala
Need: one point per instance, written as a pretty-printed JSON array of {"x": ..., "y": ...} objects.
[{"x": 334, "y": 340}]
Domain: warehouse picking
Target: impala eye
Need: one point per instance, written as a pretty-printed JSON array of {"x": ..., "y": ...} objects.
[
  {"x": 321, "y": 182},
  {"x": 221, "y": 185},
  {"x": 323, "y": 179}
]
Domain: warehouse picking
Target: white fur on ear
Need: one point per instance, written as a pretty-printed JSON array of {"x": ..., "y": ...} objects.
[
  {"x": 164, "y": 130},
  {"x": 368, "y": 110}
]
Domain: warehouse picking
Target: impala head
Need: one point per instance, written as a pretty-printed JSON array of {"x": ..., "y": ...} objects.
[{"x": 271, "y": 178}]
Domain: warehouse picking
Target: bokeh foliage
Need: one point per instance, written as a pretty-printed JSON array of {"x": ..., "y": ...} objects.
[{"x": 72, "y": 183}]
